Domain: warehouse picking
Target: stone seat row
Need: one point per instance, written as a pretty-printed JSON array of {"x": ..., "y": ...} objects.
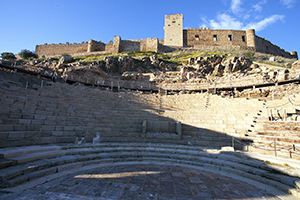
[{"x": 231, "y": 163}]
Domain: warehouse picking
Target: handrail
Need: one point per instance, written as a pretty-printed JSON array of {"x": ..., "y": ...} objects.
[{"x": 291, "y": 151}]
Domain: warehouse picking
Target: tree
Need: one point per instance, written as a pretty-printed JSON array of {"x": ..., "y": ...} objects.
[
  {"x": 26, "y": 54},
  {"x": 8, "y": 56}
]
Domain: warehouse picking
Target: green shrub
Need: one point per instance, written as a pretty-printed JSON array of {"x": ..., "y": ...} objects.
[
  {"x": 8, "y": 56},
  {"x": 65, "y": 55},
  {"x": 26, "y": 54},
  {"x": 249, "y": 55}
]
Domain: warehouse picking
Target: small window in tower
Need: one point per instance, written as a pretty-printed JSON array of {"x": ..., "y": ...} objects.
[
  {"x": 215, "y": 38},
  {"x": 229, "y": 38},
  {"x": 173, "y": 22},
  {"x": 169, "y": 24},
  {"x": 243, "y": 39},
  {"x": 197, "y": 37}
]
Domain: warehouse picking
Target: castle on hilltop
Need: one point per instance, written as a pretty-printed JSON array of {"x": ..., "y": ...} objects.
[{"x": 175, "y": 37}]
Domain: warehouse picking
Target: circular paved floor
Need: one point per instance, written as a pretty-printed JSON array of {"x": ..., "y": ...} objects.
[{"x": 143, "y": 182}]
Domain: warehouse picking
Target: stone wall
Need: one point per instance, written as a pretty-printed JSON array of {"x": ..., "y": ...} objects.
[
  {"x": 57, "y": 49},
  {"x": 264, "y": 46},
  {"x": 208, "y": 37},
  {"x": 95, "y": 46},
  {"x": 148, "y": 44},
  {"x": 116, "y": 46}
]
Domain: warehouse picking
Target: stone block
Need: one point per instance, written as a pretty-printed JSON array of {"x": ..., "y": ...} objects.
[
  {"x": 20, "y": 128},
  {"x": 156, "y": 125},
  {"x": 10, "y": 121},
  {"x": 68, "y": 166},
  {"x": 4, "y": 127},
  {"x": 15, "y": 115},
  {"x": 40, "y": 117},
  {"x": 3, "y": 135},
  {"x": 42, "y": 173},
  {"x": 68, "y": 128},
  {"x": 59, "y": 128},
  {"x": 17, "y": 181},
  {"x": 178, "y": 128},
  {"x": 172, "y": 127},
  {"x": 24, "y": 121},
  {"x": 37, "y": 122},
  {"x": 27, "y": 116},
  {"x": 57, "y": 133},
  {"x": 65, "y": 139},
  {"x": 164, "y": 127},
  {"x": 16, "y": 135},
  {"x": 50, "y": 122}
]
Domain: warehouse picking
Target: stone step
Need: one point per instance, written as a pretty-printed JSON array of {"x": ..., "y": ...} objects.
[
  {"x": 19, "y": 151},
  {"x": 261, "y": 137},
  {"x": 87, "y": 156},
  {"x": 37, "y": 156},
  {"x": 4, "y": 163}
]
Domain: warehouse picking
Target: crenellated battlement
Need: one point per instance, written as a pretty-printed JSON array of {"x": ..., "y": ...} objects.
[{"x": 56, "y": 49}]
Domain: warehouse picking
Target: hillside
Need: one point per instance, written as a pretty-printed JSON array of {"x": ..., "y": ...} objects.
[{"x": 180, "y": 70}]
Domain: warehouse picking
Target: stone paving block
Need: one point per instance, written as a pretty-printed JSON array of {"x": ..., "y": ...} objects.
[{"x": 42, "y": 173}]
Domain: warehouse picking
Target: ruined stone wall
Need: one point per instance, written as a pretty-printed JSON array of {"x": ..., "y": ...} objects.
[
  {"x": 130, "y": 45},
  {"x": 148, "y": 44},
  {"x": 116, "y": 45},
  {"x": 152, "y": 44},
  {"x": 203, "y": 36},
  {"x": 264, "y": 46},
  {"x": 95, "y": 46},
  {"x": 57, "y": 49},
  {"x": 109, "y": 47}
]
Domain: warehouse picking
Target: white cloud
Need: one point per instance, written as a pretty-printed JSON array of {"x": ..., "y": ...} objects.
[
  {"x": 258, "y": 6},
  {"x": 236, "y": 6},
  {"x": 288, "y": 3},
  {"x": 238, "y": 19},
  {"x": 225, "y": 21},
  {"x": 258, "y": 26}
]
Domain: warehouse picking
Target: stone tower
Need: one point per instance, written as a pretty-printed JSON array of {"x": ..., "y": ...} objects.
[
  {"x": 173, "y": 30},
  {"x": 250, "y": 34}
]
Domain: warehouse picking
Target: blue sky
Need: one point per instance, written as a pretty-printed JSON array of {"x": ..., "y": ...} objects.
[{"x": 26, "y": 23}]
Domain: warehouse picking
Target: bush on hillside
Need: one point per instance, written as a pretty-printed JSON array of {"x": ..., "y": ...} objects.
[
  {"x": 26, "y": 54},
  {"x": 249, "y": 55},
  {"x": 8, "y": 56}
]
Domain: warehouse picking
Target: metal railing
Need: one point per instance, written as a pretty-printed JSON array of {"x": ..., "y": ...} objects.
[{"x": 291, "y": 151}]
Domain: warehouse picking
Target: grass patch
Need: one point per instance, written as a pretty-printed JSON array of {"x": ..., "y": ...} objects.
[{"x": 140, "y": 53}]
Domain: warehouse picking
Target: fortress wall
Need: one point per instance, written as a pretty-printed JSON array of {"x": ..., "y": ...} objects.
[
  {"x": 148, "y": 44},
  {"x": 109, "y": 47},
  {"x": 264, "y": 46},
  {"x": 56, "y": 49},
  {"x": 130, "y": 45},
  {"x": 194, "y": 37},
  {"x": 152, "y": 44},
  {"x": 95, "y": 46}
]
